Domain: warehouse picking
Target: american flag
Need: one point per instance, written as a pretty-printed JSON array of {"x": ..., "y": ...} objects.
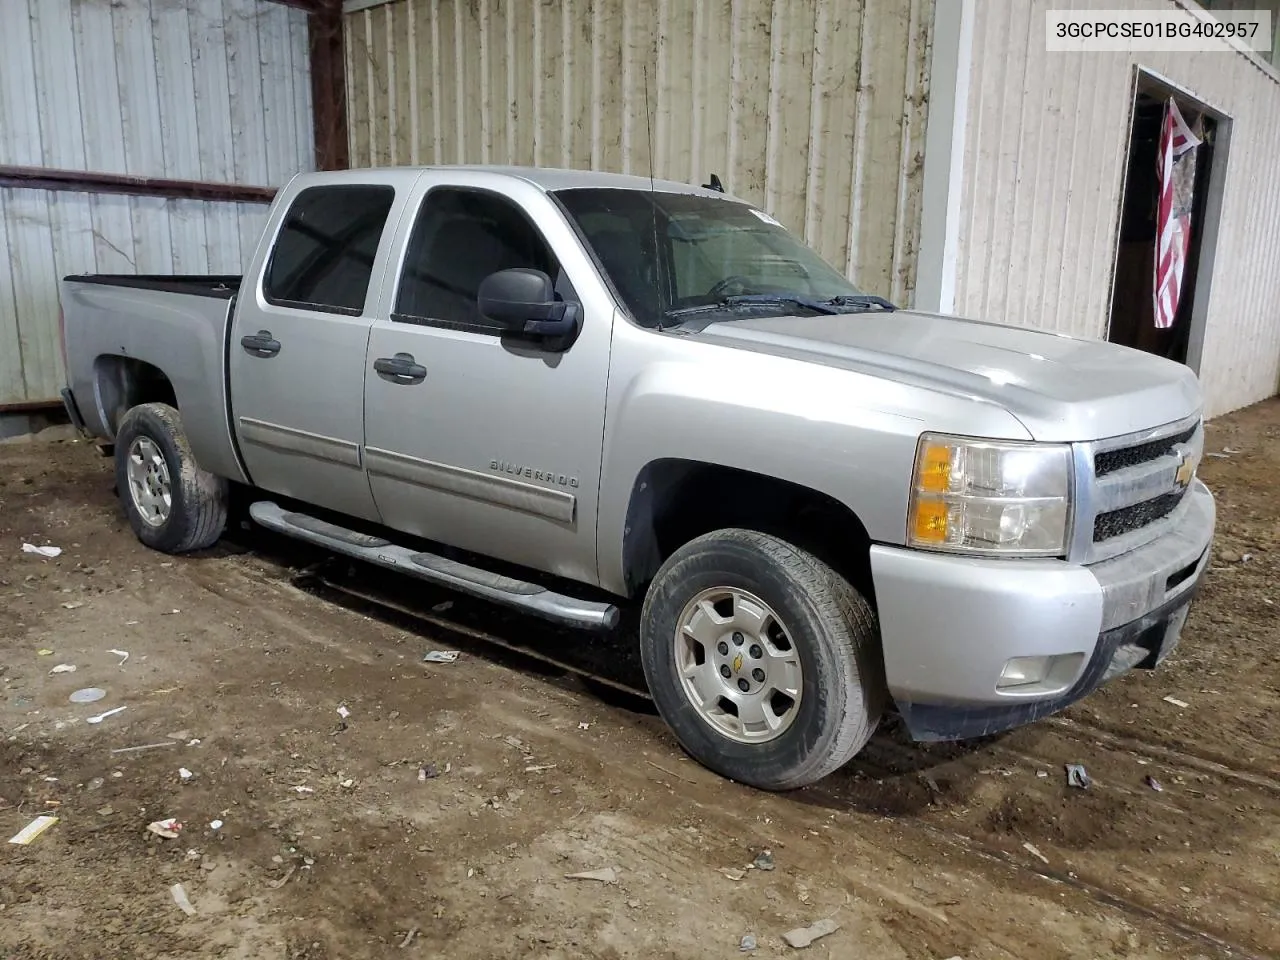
[{"x": 1173, "y": 214}]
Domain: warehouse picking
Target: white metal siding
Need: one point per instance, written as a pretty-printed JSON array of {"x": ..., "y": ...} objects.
[
  {"x": 184, "y": 89},
  {"x": 1044, "y": 169},
  {"x": 812, "y": 109}
]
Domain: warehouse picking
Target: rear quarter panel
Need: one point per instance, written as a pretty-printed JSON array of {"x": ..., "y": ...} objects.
[{"x": 182, "y": 335}]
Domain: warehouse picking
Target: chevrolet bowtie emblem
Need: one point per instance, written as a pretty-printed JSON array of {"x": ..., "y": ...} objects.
[
  {"x": 1186, "y": 469},
  {"x": 737, "y": 663}
]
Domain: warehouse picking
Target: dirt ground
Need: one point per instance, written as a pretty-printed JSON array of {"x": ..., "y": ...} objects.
[{"x": 333, "y": 845}]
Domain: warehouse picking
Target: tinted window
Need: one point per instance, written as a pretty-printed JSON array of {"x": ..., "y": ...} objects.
[
  {"x": 460, "y": 238},
  {"x": 323, "y": 256}
]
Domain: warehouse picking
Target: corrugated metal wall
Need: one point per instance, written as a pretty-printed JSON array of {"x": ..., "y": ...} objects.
[
  {"x": 812, "y": 109},
  {"x": 186, "y": 89},
  {"x": 1044, "y": 170}
]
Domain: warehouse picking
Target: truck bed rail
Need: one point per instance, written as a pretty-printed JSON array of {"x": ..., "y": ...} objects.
[{"x": 218, "y": 286}]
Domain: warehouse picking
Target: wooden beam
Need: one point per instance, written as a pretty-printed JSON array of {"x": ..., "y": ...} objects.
[
  {"x": 329, "y": 87},
  {"x": 328, "y": 81},
  {"x": 87, "y": 181},
  {"x": 307, "y": 6}
]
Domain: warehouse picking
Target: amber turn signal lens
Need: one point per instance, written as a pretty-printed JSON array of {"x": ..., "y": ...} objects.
[
  {"x": 931, "y": 521},
  {"x": 935, "y": 469}
]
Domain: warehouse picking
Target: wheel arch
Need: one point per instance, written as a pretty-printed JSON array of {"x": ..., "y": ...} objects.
[
  {"x": 121, "y": 383},
  {"x": 675, "y": 500}
]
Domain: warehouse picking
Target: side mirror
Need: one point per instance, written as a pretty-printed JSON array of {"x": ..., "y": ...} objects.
[{"x": 523, "y": 303}]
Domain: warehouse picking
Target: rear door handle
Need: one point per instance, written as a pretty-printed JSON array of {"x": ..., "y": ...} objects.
[
  {"x": 400, "y": 369},
  {"x": 260, "y": 344}
]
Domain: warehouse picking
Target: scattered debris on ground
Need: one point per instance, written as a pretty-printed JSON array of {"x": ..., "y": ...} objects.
[
  {"x": 170, "y": 828},
  {"x": 32, "y": 830},
  {"x": 48, "y": 552},
  {"x": 919, "y": 847},
  {"x": 179, "y": 894},
  {"x": 106, "y": 713},
  {"x": 1077, "y": 776},
  {"x": 605, "y": 875},
  {"x": 801, "y": 937},
  {"x": 1034, "y": 851}
]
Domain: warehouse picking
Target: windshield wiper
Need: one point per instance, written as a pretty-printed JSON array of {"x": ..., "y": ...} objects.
[
  {"x": 752, "y": 300},
  {"x": 865, "y": 300},
  {"x": 844, "y": 303}
]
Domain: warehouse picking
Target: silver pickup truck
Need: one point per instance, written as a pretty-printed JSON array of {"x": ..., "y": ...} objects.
[{"x": 571, "y": 392}]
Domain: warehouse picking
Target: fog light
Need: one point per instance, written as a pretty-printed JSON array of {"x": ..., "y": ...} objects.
[
  {"x": 1045, "y": 674},
  {"x": 1023, "y": 670}
]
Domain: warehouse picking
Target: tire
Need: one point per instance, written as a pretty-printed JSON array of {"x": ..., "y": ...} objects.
[
  {"x": 831, "y": 632},
  {"x": 196, "y": 512}
]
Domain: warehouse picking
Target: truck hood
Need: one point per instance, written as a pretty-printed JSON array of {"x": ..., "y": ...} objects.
[{"x": 1061, "y": 388}]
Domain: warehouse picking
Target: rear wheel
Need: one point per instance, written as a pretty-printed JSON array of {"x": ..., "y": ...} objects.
[
  {"x": 172, "y": 504},
  {"x": 764, "y": 662}
]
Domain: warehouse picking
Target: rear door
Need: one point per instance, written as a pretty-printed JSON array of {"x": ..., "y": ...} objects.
[
  {"x": 483, "y": 442},
  {"x": 297, "y": 350}
]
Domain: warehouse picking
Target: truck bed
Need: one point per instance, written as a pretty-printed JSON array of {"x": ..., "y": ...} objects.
[
  {"x": 120, "y": 331},
  {"x": 222, "y": 287}
]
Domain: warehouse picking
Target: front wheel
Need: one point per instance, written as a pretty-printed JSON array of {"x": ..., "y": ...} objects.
[
  {"x": 763, "y": 661},
  {"x": 172, "y": 504}
]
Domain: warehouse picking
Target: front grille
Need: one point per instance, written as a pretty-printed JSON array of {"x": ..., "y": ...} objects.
[
  {"x": 1113, "y": 460},
  {"x": 1119, "y": 522}
]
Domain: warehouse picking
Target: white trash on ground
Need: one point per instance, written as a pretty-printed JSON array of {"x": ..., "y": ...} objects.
[
  {"x": 169, "y": 828},
  {"x": 1031, "y": 849},
  {"x": 179, "y": 895},
  {"x": 32, "y": 830},
  {"x": 48, "y": 552},
  {"x": 102, "y": 716},
  {"x": 1077, "y": 776}
]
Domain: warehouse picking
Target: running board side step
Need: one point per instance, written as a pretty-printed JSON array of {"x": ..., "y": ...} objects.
[{"x": 532, "y": 598}]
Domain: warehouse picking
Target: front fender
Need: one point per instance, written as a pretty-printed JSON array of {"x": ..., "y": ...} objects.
[{"x": 844, "y": 434}]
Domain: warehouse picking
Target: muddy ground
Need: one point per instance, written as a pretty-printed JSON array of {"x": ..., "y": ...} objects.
[{"x": 331, "y": 844}]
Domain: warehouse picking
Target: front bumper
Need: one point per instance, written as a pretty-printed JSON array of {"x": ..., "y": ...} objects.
[{"x": 950, "y": 625}]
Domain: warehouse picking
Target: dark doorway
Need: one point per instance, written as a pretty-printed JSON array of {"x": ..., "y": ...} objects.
[{"x": 1132, "y": 321}]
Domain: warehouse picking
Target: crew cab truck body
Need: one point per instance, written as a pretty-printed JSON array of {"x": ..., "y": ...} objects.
[{"x": 585, "y": 391}]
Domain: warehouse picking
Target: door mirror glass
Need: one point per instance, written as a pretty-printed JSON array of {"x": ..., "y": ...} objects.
[{"x": 523, "y": 302}]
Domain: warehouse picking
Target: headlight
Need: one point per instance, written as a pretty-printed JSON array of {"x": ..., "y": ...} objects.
[{"x": 990, "y": 496}]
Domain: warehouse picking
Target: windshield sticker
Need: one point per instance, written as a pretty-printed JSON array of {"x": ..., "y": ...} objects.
[{"x": 765, "y": 217}]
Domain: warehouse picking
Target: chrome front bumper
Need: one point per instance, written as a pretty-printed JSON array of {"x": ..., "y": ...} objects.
[{"x": 950, "y": 625}]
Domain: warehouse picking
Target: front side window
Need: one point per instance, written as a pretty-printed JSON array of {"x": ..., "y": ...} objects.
[
  {"x": 462, "y": 236},
  {"x": 671, "y": 256},
  {"x": 323, "y": 256}
]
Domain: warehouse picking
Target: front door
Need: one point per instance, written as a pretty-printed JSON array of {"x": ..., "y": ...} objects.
[
  {"x": 478, "y": 441},
  {"x": 297, "y": 351}
]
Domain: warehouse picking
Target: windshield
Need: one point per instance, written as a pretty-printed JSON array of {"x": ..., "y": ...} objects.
[{"x": 673, "y": 256}]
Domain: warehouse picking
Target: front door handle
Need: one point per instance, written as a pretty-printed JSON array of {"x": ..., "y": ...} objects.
[
  {"x": 260, "y": 344},
  {"x": 400, "y": 369}
]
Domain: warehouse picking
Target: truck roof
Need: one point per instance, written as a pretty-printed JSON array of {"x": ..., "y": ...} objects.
[{"x": 546, "y": 178}]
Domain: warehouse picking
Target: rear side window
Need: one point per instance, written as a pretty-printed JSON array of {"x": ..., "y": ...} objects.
[
  {"x": 323, "y": 256},
  {"x": 460, "y": 237}
]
